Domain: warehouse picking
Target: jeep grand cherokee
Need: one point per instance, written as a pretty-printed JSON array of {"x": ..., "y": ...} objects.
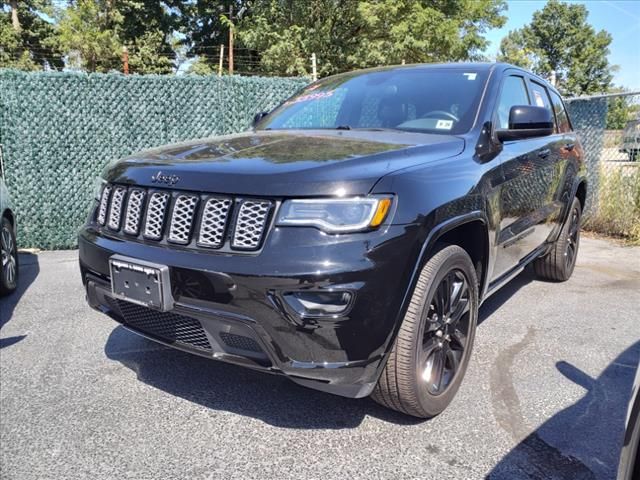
[{"x": 348, "y": 240}]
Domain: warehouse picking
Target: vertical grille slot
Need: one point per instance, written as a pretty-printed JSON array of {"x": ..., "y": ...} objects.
[
  {"x": 214, "y": 221},
  {"x": 104, "y": 203},
  {"x": 134, "y": 211},
  {"x": 250, "y": 224},
  {"x": 182, "y": 219},
  {"x": 115, "y": 212},
  {"x": 155, "y": 215}
]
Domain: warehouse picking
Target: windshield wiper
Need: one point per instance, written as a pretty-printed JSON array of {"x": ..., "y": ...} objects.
[{"x": 343, "y": 127}]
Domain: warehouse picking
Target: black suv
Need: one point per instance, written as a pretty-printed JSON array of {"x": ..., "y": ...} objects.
[{"x": 349, "y": 239}]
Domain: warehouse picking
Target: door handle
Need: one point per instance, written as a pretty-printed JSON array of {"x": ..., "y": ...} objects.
[
  {"x": 544, "y": 153},
  {"x": 569, "y": 146}
]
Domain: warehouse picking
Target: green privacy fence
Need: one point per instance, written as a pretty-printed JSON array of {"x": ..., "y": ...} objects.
[{"x": 58, "y": 130}]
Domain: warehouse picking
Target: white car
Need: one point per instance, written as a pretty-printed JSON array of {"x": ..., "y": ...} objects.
[{"x": 8, "y": 247}]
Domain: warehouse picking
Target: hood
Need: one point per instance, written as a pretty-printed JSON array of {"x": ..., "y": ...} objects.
[{"x": 283, "y": 163}]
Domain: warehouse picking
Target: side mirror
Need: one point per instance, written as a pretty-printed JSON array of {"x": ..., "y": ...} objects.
[
  {"x": 257, "y": 117},
  {"x": 527, "y": 121}
]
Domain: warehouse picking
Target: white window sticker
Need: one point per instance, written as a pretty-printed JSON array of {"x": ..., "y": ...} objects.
[
  {"x": 444, "y": 124},
  {"x": 538, "y": 97},
  {"x": 471, "y": 76}
]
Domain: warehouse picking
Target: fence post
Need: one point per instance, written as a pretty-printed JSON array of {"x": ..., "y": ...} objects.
[
  {"x": 221, "y": 59},
  {"x": 125, "y": 60},
  {"x": 314, "y": 74}
]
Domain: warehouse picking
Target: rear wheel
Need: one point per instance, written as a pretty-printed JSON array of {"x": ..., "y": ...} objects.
[
  {"x": 559, "y": 263},
  {"x": 9, "y": 257},
  {"x": 432, "y": 349}
]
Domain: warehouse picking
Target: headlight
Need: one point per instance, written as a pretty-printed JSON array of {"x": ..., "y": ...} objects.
[
  {"x": 98, "y": 185},
  {"x": 335, "y": 215}
]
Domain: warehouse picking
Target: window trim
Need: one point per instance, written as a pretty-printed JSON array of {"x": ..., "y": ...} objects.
[
  {"x": 494, "y": 115},
  {"x": 564, "y": 107}
]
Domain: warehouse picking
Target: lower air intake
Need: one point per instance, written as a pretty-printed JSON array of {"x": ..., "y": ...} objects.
[{"x": 164, "y": 325}]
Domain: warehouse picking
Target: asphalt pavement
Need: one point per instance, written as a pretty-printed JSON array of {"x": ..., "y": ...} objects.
[{"x": 544, "y": 398}]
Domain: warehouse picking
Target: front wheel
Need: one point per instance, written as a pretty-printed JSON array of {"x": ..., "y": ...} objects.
[
  {"x": 432, "y": 349},
  {"x": 9, "y": 255}
]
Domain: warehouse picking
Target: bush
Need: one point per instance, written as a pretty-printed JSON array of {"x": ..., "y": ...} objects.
[{"x": 617, "y": 208}]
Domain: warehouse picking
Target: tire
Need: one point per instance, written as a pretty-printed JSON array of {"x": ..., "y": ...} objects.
[
  {"x": 558, "y": 264},
  {"x": 8, "y": 258},
  {"x": 408, "y": 381}
]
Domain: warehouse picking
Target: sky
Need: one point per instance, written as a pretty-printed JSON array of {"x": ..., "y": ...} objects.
[{"x": 621, "y": 18}]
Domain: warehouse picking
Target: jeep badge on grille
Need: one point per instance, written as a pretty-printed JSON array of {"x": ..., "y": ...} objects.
[{"x": 165, "y": 178}]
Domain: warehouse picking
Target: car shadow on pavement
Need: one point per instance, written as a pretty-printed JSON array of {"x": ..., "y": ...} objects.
[
  {"x": 27, "y": 273},
  {"x": 582, "y": 441},
  {"x": 271, "y": 398}
]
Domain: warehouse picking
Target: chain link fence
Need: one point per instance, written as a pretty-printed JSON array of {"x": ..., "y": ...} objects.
[
  {"x": 58, "y": 130},
  {"x": 609, "y": 130}
]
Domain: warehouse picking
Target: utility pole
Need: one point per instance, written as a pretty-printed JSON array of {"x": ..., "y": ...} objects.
[
  {"x": 230, "y": 39},
  {"x": 15, "y": 21},
  {"x": 314, "y": 70},
  {"x": 125, "y": 60},
  {"x": 221, "y": 59}
]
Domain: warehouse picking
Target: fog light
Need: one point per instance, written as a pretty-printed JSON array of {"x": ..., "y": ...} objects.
[{"x": 318, "y": 304}]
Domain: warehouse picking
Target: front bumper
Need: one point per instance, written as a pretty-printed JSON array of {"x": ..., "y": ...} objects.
[{"x": 237, "y": 302}]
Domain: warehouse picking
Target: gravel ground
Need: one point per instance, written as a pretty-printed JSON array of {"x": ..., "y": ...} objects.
[{"x": 545, "y": 395}]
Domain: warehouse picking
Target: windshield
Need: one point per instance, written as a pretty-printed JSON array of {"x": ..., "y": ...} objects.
[{"x": 419, "y": 99}]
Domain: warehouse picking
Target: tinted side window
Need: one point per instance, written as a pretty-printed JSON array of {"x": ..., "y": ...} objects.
[
  {"x": 514, "y": 92},
  {"x": 561, "y": 114},
  {"x": 540, "y": 96}
]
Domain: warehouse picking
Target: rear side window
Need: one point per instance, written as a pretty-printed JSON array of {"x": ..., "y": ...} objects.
[
  {"x": 540, "y": 96},
  {"x": 541, "y": 99},
  {"x": 561, "y": 114},
  {"x": 514, "y": 92}
]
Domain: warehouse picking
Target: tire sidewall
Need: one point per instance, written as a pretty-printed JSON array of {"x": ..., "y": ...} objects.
[
  {"x": 6, "y": 289},
  {"x": 434, "y": 404},
  {"x": 568, "y": 269}
]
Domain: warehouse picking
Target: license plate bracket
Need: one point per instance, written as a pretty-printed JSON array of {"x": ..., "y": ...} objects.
[{"x": 141, "y": 282}]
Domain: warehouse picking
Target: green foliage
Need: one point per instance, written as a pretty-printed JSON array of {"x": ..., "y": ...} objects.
[
  {"x": 348, "y": 35},
  {"x": 30, "y": 43},
  {"x": 618, "y": 209},
  {"x": 559, "y": 39},
  {"x": 88, "y": 32},
  {"x": 621, "y": 110},
  {"x": 94, "y": 32}
]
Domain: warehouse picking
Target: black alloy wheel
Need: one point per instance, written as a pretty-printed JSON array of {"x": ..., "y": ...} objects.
[
  {"x": 446, "y": 332},
  {"x": 432, "y": 349},
  {"x": 9, "y": 259}
]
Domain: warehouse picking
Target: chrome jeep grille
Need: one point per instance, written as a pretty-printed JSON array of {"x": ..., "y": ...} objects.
[
  {"x": 155, "y": 215},
  {"x": 182, "y": 218},
  {"x": 214, "y": 222},
  {"x": 134, "y": 211},
  {"x": 196, "y": 221},
  {"x": 104, "y": 204},
  {"x": 250, "y": 225},
  {"x": 115, "y": 212}
]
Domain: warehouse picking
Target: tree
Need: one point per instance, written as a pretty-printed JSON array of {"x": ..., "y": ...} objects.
[
  {"x": 365, "y": 33},
  {"x": 559, "y": 39},
  {"x": 206, "y": 27},
  {"x": 421, "y": 31},
  {"x": 88, "y": 33},
  {"x": 27, "y": 39},
  {"x": 93, "y": 33}
]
